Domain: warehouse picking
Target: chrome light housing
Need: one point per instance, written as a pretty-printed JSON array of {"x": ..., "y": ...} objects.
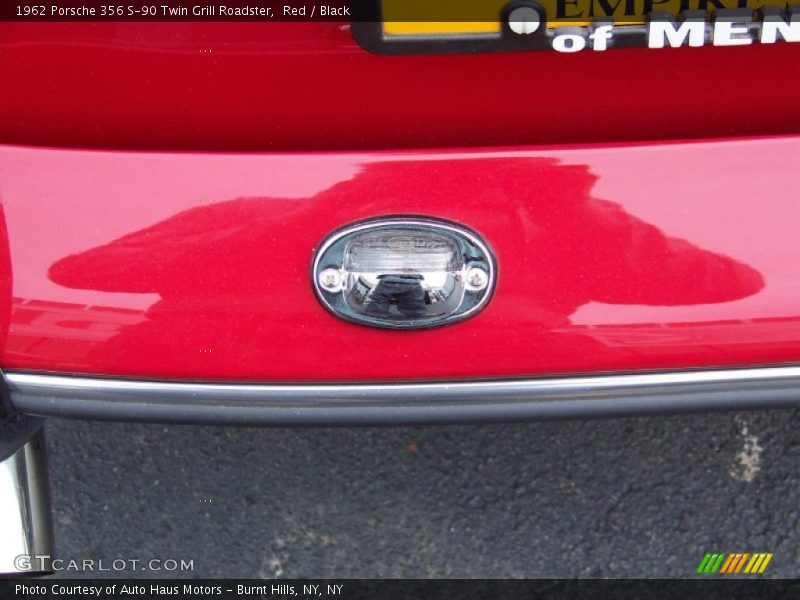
[{"x": 404, "y": 273}]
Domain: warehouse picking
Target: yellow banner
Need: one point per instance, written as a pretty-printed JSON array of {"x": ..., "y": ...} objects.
[{"x": 464, "y": 18}]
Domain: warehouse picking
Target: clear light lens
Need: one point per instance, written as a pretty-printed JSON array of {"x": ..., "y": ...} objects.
[{"x": 400, "y": 251}]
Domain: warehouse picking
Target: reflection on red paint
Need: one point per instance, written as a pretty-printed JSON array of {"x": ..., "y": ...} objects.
[{"x": 232, "y": 298}]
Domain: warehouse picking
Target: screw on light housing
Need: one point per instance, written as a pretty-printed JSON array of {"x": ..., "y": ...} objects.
[
  {"x": 477, "y": 279},
  {"x": 331, "y": 280}
]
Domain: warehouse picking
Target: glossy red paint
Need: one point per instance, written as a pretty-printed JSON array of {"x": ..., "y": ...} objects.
[
  {"x": 309, "y": 86},
  {"x": 197, "y": 265}
]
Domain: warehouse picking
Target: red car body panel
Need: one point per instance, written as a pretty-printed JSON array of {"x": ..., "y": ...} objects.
[
  {"x": 166, "y": 254},
  {"x": 309, "y": 86},
  {"x": 197, "y": 266}
]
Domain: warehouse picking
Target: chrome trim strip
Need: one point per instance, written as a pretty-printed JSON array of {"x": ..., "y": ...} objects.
[
  {"x": 27, "y": 540},
  {"x": 318, "y": 404}
]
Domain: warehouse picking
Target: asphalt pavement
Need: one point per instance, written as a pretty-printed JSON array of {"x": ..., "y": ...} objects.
[{"x": 637, "y": 497}]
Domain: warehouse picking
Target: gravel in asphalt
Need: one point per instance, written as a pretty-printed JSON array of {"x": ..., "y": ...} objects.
[{"x": 638, "y": 497}]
